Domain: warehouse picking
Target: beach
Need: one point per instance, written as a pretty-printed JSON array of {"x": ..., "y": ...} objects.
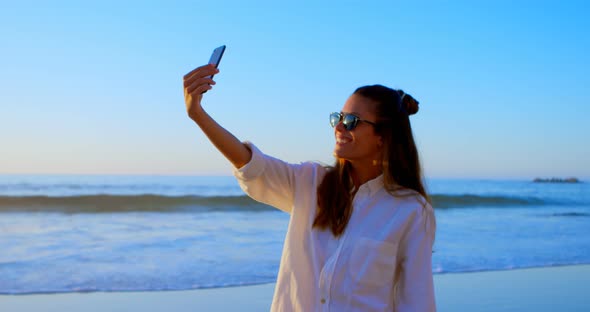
[
  {"x": 129, "y": 243},
  {"x": 536, "y": 289}
]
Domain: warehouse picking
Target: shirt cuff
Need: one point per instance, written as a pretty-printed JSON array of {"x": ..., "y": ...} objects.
[{"x": 254, "y": 167}]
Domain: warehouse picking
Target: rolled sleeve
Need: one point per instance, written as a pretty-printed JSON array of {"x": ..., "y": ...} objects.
[
  {"x": 254, "y": 167},
  {"x": 268, "y": 180}
]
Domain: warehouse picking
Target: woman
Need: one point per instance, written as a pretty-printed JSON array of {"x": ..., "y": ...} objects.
[{"x": 361, "y": 232}]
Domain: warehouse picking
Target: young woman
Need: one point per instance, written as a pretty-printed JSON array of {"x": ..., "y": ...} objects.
[{"x": 361, "y": 232}]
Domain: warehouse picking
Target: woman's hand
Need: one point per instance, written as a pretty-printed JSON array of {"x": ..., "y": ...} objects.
[{"x": 196, "y": 83}]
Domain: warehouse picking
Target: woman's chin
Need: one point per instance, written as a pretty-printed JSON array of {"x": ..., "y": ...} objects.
[{"x": 339, "y": 152}]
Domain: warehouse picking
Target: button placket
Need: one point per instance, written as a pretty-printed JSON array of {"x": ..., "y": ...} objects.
[{"x": 326, "y": 277}]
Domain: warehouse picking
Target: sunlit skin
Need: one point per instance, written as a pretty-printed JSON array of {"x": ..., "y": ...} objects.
[
  {"x": 361, "y": 146},
  {"x": 195, "y": 83}
]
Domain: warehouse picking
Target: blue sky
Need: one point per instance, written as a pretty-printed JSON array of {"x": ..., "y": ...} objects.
[{"x": 96, "y": 88}]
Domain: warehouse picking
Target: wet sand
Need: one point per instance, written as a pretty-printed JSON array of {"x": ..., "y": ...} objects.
[{"x": 538, "y": 289}]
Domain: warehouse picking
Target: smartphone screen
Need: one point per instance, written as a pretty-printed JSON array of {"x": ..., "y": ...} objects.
[{"x": 216, "y": 56}]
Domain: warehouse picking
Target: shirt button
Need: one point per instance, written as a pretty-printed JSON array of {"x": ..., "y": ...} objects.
[{"x": 323, "y": 301}]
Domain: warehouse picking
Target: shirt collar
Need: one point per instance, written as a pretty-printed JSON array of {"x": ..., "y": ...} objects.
[{"x": 372, "y": 186}]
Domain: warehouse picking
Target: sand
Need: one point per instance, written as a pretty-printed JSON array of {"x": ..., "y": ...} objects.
[{"x": 538, "y": 289}]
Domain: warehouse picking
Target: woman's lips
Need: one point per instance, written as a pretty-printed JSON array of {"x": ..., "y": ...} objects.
[{"x": 342, "y": 140}]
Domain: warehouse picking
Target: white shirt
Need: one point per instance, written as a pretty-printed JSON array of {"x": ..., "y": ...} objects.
[{"x": 382, "y": 261}]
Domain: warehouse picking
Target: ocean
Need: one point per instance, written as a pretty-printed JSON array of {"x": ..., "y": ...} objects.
[{"x": 147, "y": 233}]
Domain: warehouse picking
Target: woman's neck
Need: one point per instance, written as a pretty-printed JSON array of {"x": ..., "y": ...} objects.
[{"x": 363, "y": 172}]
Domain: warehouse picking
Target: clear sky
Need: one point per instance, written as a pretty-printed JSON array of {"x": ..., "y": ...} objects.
[{"x": 96, "y": 88}]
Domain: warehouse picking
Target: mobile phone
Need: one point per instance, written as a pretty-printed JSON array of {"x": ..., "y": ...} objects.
[{"x": 216, "y": 56}]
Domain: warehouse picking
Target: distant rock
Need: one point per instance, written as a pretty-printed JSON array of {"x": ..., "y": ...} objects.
[{"x": 556, "y": 180}]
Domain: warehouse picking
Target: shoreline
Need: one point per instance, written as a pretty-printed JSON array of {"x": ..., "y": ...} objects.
[
  {"x": 557, "y": 288},
  {"x": 435, "y": 274}
]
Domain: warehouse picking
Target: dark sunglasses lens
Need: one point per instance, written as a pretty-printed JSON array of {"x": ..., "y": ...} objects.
[
  {"x": 349, "y": 122},
  {"x": 334, "y": 119}
]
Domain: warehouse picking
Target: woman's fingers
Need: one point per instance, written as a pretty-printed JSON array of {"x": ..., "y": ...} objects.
[
  {"x": 188, "y": 75},
  {"x": 204, "y": 81},
  {"x": 199, "y": 76},
  {"x": 195, "y": 93},
  {"x": 202, "y": 71},
  {"x": 200, "y": 89}
]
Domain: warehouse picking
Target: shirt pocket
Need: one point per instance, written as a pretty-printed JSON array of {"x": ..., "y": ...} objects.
[{"x": 373, "y": 262}]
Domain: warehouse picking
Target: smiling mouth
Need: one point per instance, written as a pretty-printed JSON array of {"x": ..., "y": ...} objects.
[{"x": 342, "y": 140}]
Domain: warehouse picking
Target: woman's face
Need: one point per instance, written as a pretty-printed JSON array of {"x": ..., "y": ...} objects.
[{"x": 360, "y": 144}]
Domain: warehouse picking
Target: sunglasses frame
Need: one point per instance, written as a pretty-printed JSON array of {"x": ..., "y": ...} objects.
[{"x": 348, "y": 125}]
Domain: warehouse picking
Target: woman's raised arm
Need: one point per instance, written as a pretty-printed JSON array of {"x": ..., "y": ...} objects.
[{"x": 196, "y": 83}]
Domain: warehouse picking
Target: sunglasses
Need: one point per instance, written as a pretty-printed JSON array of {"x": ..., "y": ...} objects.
[{"x": 349, "y": 121}]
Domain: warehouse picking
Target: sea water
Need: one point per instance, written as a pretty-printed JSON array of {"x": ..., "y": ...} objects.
[{"x": 142, "y": 233}]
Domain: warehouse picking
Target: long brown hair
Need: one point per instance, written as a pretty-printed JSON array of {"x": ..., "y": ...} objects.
[{"x": 400, "y": 163}]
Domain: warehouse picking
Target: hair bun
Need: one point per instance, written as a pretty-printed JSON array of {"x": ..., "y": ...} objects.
[{"x": 409, "y": 103}]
